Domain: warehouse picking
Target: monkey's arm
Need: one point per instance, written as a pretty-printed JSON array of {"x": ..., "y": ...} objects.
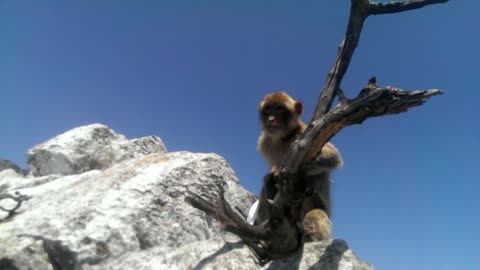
[{"x": 323, "y": 161}]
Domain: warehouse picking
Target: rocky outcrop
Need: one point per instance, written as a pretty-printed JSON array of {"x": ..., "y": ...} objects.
[
  {"x": 130, "y": 213},
  {"x": 92, "y": 147},
  {"x": 7, "y": 164}
]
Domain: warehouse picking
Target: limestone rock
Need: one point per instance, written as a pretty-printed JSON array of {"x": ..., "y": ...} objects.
[
  {"x": 233, "y": 254},
  {"x": 128, "y": 211},
  {"x": 92, "y": 147},
  {"x": 7, "y": 164},
  {"x": 134, "y": 205},
  {"x": 9, "y": 178}
]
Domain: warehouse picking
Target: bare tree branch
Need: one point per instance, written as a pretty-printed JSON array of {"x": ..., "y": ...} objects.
[
  {"x": 19, "y": 199},
  {"x": 358, "y": 14},
  {"x": 276, "y": 238},
  {"x": 359, "y": 11},
  {"x": 280, "y": 232},
  {"x": 371, "y": 102},
  {"x": 377, "y": 8},
  {"x": 280, "y": 235},
  {"x": 224, "y": 213}
]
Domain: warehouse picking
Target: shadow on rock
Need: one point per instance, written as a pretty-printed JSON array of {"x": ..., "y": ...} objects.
[
  {"x": 226, "y": 248},
  {"x": 332, "y": 256},
  {"x": 292, "y": 262}
]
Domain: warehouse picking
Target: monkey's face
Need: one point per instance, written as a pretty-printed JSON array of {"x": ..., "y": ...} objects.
[
  {"x": 279, "y": 114},
  {"x": 277, "y": 119}
]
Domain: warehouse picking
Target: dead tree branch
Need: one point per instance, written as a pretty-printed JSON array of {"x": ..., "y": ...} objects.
[
  {"x": 19, "y": 199},
  {"x": 377, "y": 8},
  {"x": 358, "y": 14},
  {"x": 372, "y": 101},
  {"x": 359, "y": 11},
  {"x": 281, "y": 233},
  {"x": 231, "y": 221}
]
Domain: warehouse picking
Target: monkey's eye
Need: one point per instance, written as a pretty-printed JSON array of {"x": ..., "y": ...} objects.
[
  {"x": 280, "y": 109},
  {"x": 266, "y": 111},
  {"x": 283, "y": 112}
]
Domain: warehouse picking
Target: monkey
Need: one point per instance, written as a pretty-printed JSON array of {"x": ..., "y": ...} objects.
[{"x": 281, "y": 125}]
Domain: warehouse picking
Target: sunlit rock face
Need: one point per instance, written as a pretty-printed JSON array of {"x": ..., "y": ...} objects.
[
  {"x": 106, "y": 202},
  {"x": 8, "y": 165},
  {"x": 88, "y": 148}
]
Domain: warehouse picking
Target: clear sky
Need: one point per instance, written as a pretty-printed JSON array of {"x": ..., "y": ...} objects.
[{"x": 192, "y": 73}]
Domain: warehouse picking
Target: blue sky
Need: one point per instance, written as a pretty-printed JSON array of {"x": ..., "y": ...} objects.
[{"x": 192, "y": 73}]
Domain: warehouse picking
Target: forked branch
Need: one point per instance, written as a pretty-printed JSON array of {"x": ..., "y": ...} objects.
[
  {"x": 17, "y": 198},
  {"x": 280, "y": 234},
  {"x": 230, "y": 220},
  {"x": 359, "y": 11},
  {"x": 372, "y": 101}
]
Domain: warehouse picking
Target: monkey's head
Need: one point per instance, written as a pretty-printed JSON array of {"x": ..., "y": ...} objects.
[{"x": 279, "y": 114}]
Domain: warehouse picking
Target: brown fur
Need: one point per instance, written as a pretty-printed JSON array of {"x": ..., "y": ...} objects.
[
  {"x": 317, "y": 226},
  {"x": 278, "y": 97},
  {"x": 273, "y": 145}
]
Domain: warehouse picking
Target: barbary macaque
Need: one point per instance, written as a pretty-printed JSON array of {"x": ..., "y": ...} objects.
[{"x": 281, "y": 126}]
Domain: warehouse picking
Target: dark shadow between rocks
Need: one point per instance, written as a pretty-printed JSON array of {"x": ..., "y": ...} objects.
[
  {"x": 226, "y": 248},
  {"x": 332, "y": 255},
  {"x": 290, "y": 263},
  {"x": 7, "y": 264}
]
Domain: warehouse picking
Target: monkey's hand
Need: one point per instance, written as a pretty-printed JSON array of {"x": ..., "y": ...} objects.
[
  {"x": 285, "y": 182},
  {"x": 275, "y": 181},
  {"x": 280, "y": 183}
]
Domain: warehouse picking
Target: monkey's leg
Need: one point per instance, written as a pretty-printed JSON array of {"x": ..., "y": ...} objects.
[
  {"x": 317, "y": 226},
  {"x": 316, "y": 222},
  {"x": 316, "y": 207}
]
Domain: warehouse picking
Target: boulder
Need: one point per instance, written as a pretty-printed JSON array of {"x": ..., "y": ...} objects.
[
  {"x": 92, "y": 147},
  {"x": 7, "y": 164},
  {"x": 130, "y": 213}
]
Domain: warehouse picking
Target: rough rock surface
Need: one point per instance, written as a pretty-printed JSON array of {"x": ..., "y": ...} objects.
[
  {"x": 86, "y": 148},
  {"x": 7, "y": 164},
  {"x": 132, "y": 215}
]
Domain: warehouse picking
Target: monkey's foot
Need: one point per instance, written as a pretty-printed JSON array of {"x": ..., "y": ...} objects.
[{"x": 317, "y": 226}]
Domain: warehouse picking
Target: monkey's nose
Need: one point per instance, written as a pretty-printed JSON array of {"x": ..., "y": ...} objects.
[{"x": 271, "y": 118}]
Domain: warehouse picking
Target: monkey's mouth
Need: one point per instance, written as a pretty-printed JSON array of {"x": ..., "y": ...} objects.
[{"x": 273, "y": 127}]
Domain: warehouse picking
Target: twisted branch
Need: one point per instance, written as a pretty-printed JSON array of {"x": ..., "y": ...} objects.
[
  {"x": 19, "y": 199},
  {"x": 280, "y": 235},
  {"x": 372, "y": 101}
]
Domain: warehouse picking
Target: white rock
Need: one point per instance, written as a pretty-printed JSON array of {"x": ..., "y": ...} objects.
[
  {"x": 233, "y": 254},
  {"x": 8, "y": 179},
  {"x": 11, "y": 180},
  {"x": 128, "y": 211},
  {"x": 132, "y": 206},
  {"x": 88, "y": 148},
  {"x": 7, "y": 164}
]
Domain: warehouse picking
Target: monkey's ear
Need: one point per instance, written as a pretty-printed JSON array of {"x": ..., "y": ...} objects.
[
  {"x": 298, "y": 107},
  {"x": 260, "y": 104}
]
